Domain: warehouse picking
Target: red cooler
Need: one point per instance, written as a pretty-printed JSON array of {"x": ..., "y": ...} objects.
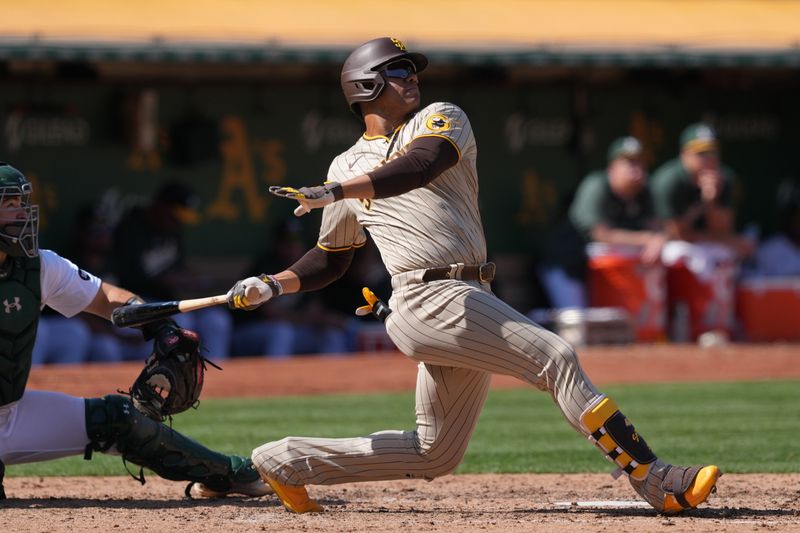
[
  {"x": 769, "y": 308},
  {"x": 618, "y": 278}
]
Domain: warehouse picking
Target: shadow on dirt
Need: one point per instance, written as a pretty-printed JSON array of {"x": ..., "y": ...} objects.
[
  {"x": 739, "y": 513},
  {"x": 724, "y": 513},
  {"x": 93, "y": 503}
]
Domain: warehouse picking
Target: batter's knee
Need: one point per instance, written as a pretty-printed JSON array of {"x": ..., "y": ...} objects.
[
  {"x": 440, "y": 457},
  {"x": 264, "y": 457},
  {"x": 566, "y": 353}
]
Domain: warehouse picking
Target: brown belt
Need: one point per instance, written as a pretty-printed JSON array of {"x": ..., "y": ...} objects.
[{"x": 483, "y": 273}]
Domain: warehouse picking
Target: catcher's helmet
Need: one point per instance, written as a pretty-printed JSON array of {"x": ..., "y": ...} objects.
[
  {"x": 361, "y": 78},
  {"x": 19, "y": 221}
]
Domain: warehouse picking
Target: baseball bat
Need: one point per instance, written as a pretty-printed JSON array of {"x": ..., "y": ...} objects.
[{"x": 131, "y": 316}]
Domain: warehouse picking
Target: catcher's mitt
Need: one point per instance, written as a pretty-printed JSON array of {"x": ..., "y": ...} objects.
[{"x": 172, "y": 378}]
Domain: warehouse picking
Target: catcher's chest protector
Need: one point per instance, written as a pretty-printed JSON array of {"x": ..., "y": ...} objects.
[{"x": 20, "y": 302}]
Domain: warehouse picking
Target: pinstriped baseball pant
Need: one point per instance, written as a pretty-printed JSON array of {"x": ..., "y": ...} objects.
[{"x": 461, "y": 334}]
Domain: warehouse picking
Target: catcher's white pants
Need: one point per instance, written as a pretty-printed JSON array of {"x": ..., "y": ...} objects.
[
  {"x": 461, "y": 334},
  {"x": 40, "y": 426}
]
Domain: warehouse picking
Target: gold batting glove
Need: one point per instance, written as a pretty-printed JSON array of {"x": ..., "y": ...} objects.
[
  {"x": 375, "y": 306},
  {"x": 310, "y": 197}
]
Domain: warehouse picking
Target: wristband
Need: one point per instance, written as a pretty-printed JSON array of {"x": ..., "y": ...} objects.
[{"x": 272, "y": 283}]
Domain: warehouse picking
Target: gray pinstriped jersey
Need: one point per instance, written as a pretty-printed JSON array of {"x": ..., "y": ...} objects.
[
  {"x": 458, "y": 331},
  {"x": 434, "y": 225}
]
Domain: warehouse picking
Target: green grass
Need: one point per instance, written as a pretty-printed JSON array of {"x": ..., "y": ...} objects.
[{"x": 742, "y": 427}]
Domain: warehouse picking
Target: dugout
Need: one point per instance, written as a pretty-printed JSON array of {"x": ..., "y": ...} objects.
[{"x": 102, "y": 103}]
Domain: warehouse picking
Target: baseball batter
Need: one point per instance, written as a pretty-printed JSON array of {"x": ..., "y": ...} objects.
[
  {"x": 411, "y": 182},
  {"x": 40, "y": 425}
]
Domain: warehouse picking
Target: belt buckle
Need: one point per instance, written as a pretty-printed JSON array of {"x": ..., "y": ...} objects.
[{"x": 488, "y": 269}]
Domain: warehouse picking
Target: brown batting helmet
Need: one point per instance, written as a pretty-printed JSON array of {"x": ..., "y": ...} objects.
[{"x": 361, "y": 78}]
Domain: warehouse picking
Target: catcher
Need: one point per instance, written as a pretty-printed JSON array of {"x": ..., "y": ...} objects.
[{"x": 39, "y": 425}]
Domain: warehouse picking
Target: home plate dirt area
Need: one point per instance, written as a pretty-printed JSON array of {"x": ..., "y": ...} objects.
[{"x": 510, "y": 502}]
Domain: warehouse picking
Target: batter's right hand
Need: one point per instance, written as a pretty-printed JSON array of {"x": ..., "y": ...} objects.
[{"x": 252, "y": 292}]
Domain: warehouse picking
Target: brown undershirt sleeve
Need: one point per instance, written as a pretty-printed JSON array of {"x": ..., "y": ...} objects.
[
  {"x": 319, "y": 268},
  {"x": 426, "y": 158}
]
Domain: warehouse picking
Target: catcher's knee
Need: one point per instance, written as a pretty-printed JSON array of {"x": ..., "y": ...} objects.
[
  {"x": 616, "y": 437},
  {"x": 112, "y": 421}
]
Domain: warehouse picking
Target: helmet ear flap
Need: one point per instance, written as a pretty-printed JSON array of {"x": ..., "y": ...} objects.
[
  {"x": 367, "y": 91},
  {"x": 371, "y": 89}
]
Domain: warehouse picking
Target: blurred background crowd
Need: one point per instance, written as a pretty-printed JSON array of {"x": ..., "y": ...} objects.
[{"x": 638, "y": 182}]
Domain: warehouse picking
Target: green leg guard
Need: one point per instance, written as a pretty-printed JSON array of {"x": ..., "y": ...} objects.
[{"x": 112, "y": 421}]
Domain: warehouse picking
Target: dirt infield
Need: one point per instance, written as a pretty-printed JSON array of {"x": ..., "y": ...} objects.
[{"x": 519, "y": 502}]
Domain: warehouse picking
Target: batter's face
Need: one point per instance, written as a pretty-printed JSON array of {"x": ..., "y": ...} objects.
[{"x": 401, "y": 94}]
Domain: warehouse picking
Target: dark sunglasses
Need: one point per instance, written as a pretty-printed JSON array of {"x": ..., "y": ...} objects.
[{"x": 403, "y": 69}]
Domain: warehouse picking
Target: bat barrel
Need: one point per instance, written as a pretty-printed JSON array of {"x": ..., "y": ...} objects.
[{"x": 135, "y": 315}]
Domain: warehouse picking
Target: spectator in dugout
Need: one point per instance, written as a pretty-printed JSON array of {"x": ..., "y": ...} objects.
[
  {"x": 613, "y": 212},
  {"x": 693, "y": 195},
  {"x": 779, "y": 255},
  {"x": 613, "y": 206},
  {"x": 149, "y": 256}
]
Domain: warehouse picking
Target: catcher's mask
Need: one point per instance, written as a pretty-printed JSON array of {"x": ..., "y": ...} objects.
[
  {"x": 362, "y": 76},
  {"x": 19, "y": 220}
]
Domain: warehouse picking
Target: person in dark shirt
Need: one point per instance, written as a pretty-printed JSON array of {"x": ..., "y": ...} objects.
[
  {"x": 693, "y": 193},
  {"x": 149, "y": 257},
  {"x": 614, "y": 206}
]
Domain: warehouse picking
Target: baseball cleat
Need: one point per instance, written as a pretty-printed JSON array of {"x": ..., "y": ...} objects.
[
  {"x": 243, "y": 480},
  {"x": 254, "y": 489},
  {"x": 702, "y": 481},
  {"x": 295, "y": 499}
]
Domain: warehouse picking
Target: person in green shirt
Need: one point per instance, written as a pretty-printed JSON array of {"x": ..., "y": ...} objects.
[
  {"x": 613, "y": 206},
  {"x": 693, "y": 193}
]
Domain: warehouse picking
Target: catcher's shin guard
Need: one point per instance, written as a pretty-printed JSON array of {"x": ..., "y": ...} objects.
[
  {"x": 112, "y": 421},
  {"x": 610, "y": 431}
]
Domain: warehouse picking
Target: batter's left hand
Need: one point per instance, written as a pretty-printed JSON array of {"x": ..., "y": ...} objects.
[{"x": 310, "y": 197}]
